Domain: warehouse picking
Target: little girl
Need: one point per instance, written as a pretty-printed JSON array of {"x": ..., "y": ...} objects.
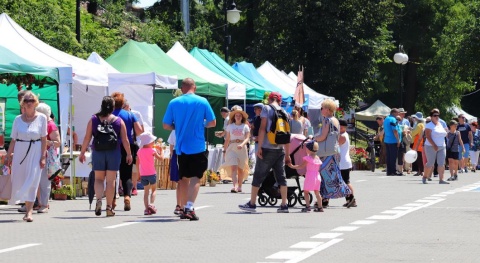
[
  {"x": 312, "y": 176},
  {"x": 146, "y": 162}
]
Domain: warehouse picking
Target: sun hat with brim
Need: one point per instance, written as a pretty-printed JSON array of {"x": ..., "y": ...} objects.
[
  {"x": 146, "y": 138},
  {"x": 401, "y": 110},
  {"x": 233, "y": 112},
  {"x": 258, "y": 105},
  {"x": 418, "y": 116}
]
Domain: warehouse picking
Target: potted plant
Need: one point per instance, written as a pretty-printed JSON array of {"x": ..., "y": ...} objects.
[
  {"x": 212, "y": 177},
  {"x": 359, "y": 158},
  {"x": 63, "y": 192}
]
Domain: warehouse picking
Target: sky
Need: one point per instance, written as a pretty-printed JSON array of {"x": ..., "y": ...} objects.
[{"x": 145, "y": 3}]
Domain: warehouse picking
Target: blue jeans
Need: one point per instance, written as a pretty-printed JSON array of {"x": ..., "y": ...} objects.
[
  {"x": 272, "y": 159},
  {"x": 392, "y": 151}
]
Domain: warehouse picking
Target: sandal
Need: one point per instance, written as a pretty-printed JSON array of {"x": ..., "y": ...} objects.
[
  {"x": 233, "y": 190},
  {"x": 239, "y": 190},
  {"x": 318, "y": 209},
  {"x": 110, "y": 211},
  {"x": 27, "y": 219},
  {"x": 98, "y": 208}
]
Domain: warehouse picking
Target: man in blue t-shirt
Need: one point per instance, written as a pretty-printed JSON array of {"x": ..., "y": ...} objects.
[
  {"x": 392, "y": 141},
  {"x": 189, "y": 115},
  {"x": 467, "y": 139}
]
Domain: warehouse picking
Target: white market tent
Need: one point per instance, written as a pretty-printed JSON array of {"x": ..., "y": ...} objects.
[
  {"x": 235, "y": 91},
  {"x": 86, "y": 76},
  {"x": 283, "y": 81},
  {"x": 137, "y": 87},
  {"x": 457, "y": 111},
  {"x": 371, "y": 113}
]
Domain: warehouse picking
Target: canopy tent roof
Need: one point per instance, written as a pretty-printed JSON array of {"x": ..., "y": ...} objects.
[
  {"x": 218, "y": 65},
  {"x": 250, "y": 72},
  {"x": 182, "y": 57},
  {"x": 371, "y": 113},
  {"x": 272, "y": 74},
  {"x": 12, "y": 63},
  {"x": 97, "y": 59},
  {"x": 27, "y": 46},
  {"x": 141, "y": 57},
  {"x": 457, "y": 111}
]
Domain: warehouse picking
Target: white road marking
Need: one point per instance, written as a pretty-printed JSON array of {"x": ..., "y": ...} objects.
[
  {"x": 402, "y": 207},
  {"x": 202, "y": 207},
  {"x": 285, "y": 255},
  {"x": 144, "y": 221},
  {"x": 327, "y": 235},
  {"x": 307, "y": 245},
  {"x": 390, "y": 212},
  {"x": 295, "y": 256},
  {"x": 346, "y": 228},
  {"x": 359, "y": 181},
  {"x": 364, "y": 222},
  {"x": 123, "y": 224},
  {"x": 413, "y": 204},
  {"x": 19, "y": 247},
  {"x": 314, "y": 251}
]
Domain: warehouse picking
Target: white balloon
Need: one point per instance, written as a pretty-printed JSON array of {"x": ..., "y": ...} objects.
[{"x": 411, "y": 156}]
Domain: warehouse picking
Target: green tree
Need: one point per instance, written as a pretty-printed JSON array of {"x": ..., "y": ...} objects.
[{"x": 340, "y": 43}]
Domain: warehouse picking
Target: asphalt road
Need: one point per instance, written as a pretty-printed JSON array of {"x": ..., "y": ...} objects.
[{"x": 398, "y": 219}]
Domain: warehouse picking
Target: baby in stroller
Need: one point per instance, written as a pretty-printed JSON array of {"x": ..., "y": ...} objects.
[{"x": 269, "y": 191}]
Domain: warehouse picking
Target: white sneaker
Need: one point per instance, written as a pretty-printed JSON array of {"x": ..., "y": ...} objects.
[
  {"x": 42, "y": 209},
  {"x": 22, "y": 209}
]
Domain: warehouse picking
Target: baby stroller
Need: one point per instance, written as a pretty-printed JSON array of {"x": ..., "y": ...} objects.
[{"x": 269, "y": 192}]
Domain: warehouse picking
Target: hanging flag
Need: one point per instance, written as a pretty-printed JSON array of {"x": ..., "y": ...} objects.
[{"x": 299, "y": 93}]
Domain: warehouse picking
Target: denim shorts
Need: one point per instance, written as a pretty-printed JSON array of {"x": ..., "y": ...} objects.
[
  {"x": 148, "y": 179},
  {"x": 272, "y": 159},
  {"x": 106, "y": 160}
]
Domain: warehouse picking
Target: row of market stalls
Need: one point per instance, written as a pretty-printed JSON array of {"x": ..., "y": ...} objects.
[{"x": 74, "y": 87}]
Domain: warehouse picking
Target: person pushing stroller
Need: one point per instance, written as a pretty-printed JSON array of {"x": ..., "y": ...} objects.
[{"x": 312, "y": 177}]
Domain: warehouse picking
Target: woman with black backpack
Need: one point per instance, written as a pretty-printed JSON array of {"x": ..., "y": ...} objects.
[{"x": 106, "y": 130}]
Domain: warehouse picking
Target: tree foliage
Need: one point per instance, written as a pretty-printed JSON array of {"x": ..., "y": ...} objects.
[{"x": 346, "y": 46}]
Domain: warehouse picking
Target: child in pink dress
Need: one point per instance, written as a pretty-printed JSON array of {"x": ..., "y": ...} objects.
[
  {"x": 312, "y": 176},
  {"x": 146, "y": 163}
]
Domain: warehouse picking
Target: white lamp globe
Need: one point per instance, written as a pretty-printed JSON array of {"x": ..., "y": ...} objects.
[
  {"x": 400, "y": 58},
  {"x": 233, "y": 16}
]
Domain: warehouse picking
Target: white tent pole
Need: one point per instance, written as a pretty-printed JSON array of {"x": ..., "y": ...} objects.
[{"x": 153, "y": 109}]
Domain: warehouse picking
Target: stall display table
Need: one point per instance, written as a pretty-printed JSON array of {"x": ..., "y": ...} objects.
[{"x": 76, "y": 168}]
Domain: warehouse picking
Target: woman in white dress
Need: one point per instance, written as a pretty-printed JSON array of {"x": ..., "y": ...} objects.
[
  {"x": 235, "y": 148},
  {"x": 28, "y": 149}
]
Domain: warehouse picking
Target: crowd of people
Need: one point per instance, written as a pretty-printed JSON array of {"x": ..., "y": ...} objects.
[
  {"x": 434, "y": 141},
  {"x": 133, "y": 152}
]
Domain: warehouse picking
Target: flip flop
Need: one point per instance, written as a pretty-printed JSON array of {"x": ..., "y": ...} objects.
[{"x": 233, "y": 190}]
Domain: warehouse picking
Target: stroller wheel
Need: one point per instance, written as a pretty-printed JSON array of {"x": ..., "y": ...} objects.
[
  {"x": 272, "y": 201},
  {"x": 262, "y": 200},
  {"x": 292, "y": 200},
  {"x": 301, "y": 198}
]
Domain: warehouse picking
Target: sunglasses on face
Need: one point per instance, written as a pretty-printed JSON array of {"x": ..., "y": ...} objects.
[
  {"x": 435, "y": 115},
  {"x": 29, "y": 100}
]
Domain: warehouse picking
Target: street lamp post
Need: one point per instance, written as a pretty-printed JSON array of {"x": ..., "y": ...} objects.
[
  {"x": 232, "y": 15},
  {"x": 401, "y": 59}
]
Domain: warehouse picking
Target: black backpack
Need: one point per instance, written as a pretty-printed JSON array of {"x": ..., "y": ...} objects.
[{"x": 105, "y": 138}]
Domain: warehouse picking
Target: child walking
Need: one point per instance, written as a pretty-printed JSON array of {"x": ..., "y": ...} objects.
[
  {"x": 146, "y": 162},
  {"x": 312, "y": 176}
]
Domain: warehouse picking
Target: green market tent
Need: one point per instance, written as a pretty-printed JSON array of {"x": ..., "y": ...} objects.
[
  {"x": 13, "y": 65},
  {"x": 216, "y": 64},
  {"x": 141, "y": 57}
]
